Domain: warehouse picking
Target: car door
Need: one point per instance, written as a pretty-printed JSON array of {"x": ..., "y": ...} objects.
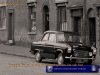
[
  {"x": 50, "y": 45},
  {"x": 43, "y": 41}
]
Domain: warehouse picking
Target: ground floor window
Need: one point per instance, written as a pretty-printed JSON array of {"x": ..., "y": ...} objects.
[
  {"x": 77, "y": 24},
  {"x": 32, "y": 14},
  {"x": 2, "y": 17},
  {"x": 62, "y": 19}
]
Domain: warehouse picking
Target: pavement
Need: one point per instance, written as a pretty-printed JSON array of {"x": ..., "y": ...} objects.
[{"x": 15, "y": 50}]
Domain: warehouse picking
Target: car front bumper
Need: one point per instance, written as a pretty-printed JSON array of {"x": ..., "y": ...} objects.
[{"x": 80, "y": 58}]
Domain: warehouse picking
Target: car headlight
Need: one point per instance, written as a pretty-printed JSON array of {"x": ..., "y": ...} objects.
[
  {"x": 69, "y": 49},
  {"x": 94, "y": 50},
  {"x": 90, "y": 53}
]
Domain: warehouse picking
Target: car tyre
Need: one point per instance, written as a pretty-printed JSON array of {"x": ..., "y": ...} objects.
[
  {"x": 60, "y": 59},
  {"x": 38, "y": 57}
]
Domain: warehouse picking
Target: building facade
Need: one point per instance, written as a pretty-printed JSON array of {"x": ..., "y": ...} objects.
[
  {"x": 14, "y": 22},
  {"x": 23, "y": 21},
  {"x": 80, "y": 16}
]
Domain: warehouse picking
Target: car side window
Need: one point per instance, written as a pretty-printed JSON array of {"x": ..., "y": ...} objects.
[
  {"x": 45, "y": 37},
  {"x": 52, "y": 37},
  {"x": 60, "y": 38}
]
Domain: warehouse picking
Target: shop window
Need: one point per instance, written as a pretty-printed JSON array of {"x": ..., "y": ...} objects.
[{"x": 62, "y": 20}]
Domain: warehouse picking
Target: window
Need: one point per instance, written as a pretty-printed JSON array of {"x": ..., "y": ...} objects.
[
  {"x": 2, "y": 17},
  {"x": 64, "y": 37},
  {"x": 45, "y": 38},
  {"x": 33, "y": 18},
  {"x": 52, "y": 38},
  {"x": 77, "y": 23},
  {"x": 60, "y": 37},
  {"x": 62, "y": 20}
]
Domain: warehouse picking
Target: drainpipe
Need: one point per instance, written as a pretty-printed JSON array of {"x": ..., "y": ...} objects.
[{"x": 84, "y": 22}]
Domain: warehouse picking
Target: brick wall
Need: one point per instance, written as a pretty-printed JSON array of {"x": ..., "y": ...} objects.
[
  {"x": 39, "y": 15},
  {"x": 21, "y": 25},
  {"x": 20, "y": 20}
]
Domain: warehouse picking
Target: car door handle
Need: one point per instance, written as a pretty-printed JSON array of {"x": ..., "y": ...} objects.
[{"x": 49, "y": 45}]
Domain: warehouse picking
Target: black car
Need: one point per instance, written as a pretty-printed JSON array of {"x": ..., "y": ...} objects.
[{"x": 63, "y": 46}]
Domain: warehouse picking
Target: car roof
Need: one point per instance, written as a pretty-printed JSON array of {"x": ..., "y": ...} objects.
[{"x": 68, "y": 32}]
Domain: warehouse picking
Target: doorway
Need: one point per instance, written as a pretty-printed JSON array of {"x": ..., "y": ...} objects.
[
  {"x": 46, "y": 18},
  {"x": 11, "y": 28},
  {"x": 92, "y": 31}
]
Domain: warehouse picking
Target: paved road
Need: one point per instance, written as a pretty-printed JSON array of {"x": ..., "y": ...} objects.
[{"x": 14, "y": 65}]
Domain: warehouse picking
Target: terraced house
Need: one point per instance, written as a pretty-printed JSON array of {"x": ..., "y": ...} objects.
[
  {"x": 13, "y": 21},
  {"x": 23, "y": 21},
  {"x": 80, "y": 16}
]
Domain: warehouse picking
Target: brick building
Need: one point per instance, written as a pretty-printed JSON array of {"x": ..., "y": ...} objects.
[
  {"x": 81, "y": 16},
  {"x": 22, "y": 21},
  {"x": 13, "y": 21}
]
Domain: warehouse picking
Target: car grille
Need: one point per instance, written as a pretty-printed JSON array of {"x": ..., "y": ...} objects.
[{"x": 81, "y": 53}]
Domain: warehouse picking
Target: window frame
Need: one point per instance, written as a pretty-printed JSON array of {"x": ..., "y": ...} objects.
[{"x": 44, "y": 36}]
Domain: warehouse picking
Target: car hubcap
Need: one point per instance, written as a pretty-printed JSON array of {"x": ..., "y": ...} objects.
[
  {"x": 60, "y": 60},
  {"x": 37, "y": 56}
]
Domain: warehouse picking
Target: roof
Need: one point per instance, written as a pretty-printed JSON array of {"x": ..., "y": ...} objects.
[{"x": 68, "y": 32}]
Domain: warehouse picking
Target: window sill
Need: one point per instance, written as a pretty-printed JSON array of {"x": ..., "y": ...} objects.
[
  {"x": 1, "y": 29},
  {"x": 61, "y": 1},
  {"x": 31, "y": 33}
]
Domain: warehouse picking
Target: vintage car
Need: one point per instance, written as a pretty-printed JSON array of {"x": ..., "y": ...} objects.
[{"x": 64, "y": 47}]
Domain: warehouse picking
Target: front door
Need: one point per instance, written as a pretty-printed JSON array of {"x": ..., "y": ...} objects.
[
  {"x": 92, "y": 30},
  {"x": 46, "y": 18},
  {"x": 11, "y": 27}
]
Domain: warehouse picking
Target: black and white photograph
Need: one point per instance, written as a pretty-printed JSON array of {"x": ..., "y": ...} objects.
[{"x": 40, "y": 34}]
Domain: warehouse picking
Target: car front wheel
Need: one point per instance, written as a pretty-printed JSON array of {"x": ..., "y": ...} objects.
[
  {"x": 38, "y": 57},
  {"x": 60, "y": 59}
]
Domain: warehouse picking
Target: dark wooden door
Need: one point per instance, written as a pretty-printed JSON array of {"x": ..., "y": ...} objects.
[
  {"x": 92, "y": 30},
  {"x": 46, "y": 18},
  {"x": 11, "y": 27}
]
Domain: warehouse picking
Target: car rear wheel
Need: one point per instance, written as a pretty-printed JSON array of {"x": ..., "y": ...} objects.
[
  {"x": 38, "y": 57},
  {"x": 60, "y": 59}
]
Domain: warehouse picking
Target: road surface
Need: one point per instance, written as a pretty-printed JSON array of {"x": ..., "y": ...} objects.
[{"x": 14, "y": 65}]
